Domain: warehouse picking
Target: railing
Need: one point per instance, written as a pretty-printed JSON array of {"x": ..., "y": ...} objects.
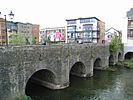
[
  {"x": 130, "y": 27},
  {"x": 130, "y": 38}
]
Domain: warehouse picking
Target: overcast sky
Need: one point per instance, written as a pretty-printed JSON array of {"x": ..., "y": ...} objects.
[{"x": 53, "y": 13}]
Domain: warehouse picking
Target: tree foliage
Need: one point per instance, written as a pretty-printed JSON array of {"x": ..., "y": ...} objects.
[
  {"x": 115, "y": 44},
  {"x": 17, "y": 38},
  {"x": 33, "y": 40}
]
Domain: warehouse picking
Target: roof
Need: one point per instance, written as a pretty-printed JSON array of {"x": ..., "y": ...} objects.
[
  {"x": 83, "y": 18},
  {"x": 90, "y": 18},
  {"x": 53, "y": 28},
  {"x": 71, "y": 19},
  {"x": 113, "y": 29},
  {"x": 107, "y": 31}
]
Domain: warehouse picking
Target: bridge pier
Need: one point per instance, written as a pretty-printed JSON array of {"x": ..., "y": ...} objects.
[
  {"x": 79, "y": 74},
  {"x": 48, "y": 84}
]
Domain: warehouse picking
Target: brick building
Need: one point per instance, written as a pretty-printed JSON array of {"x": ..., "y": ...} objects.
[
  {"x": 35, "y": 32},
  {"x": 2, "y": 32}
]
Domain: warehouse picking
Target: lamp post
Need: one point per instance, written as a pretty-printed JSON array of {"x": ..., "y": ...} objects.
[
  {"x": 6, "y": 31},
  {"x": 11, "y": 15}
]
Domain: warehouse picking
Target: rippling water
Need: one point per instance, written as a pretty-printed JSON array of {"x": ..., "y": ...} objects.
[{"x": 104, "y": 85}]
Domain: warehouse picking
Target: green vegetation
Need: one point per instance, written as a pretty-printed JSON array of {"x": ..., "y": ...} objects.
[
  {"x": 128, "y": 63},
  {"x": 115, "y": 44},
  {"x": 119, "y": 63},
  {"x": 23, "y": 98},
  {"x": 33, "y": 40},
  {"x": 17, "y": 38},
  {"x": 113, "y": 68}
]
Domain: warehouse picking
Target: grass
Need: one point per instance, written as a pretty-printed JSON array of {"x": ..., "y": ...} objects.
[{"x": 128, "y": 63}]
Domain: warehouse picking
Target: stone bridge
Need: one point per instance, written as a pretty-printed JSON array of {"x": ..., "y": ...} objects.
[
  {"x": 49, "y": 66},
  {"x": 128, "y": 51}
]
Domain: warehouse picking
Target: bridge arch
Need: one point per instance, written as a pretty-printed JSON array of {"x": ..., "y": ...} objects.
[
  {"x": 78, "y": 69},
  {"x": 42, "y": 77},
  {"x": 97, "y": 63},
  {"x": 119, "y": 56},
  {"x": 111, "y": 60},
  {"x": 128, "y": 55}
]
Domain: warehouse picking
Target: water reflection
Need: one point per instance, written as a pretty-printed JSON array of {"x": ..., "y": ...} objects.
[{"x": 104, "y": 85}]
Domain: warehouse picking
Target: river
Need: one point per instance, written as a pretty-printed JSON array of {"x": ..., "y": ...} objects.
[{"x": 104, "y": 85}]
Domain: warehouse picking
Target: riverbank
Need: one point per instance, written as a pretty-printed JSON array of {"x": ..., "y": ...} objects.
[
  {"x": 125, "y": 64},
  {"x": 128, "y": 63}
]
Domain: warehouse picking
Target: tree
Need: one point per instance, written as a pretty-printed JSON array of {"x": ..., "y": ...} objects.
[
  {"x": 33, "y": 40},
  {"x": 17, "y": 38},
  {"x": 115, "y": 44}
]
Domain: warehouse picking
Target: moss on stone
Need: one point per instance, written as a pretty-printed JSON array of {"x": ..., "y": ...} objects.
[
  {"x": 128, "y": 63},
  {"x": 23, "y": 98}
]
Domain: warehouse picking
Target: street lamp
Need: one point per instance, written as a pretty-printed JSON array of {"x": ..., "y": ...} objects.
[{"x": 11, "y": 15}]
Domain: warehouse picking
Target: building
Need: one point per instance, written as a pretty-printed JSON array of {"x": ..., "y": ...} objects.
[
  {"x": 11, "y": 29},
  {"x": 27, "y": 30},
  {"x": 130, "y": 24},
  {"x": 111, "y": 32},
  {"x": 35, "y": 32},
  {"x": 54, "y": 35},
  {"x": 2, "y": 32},
  {"x": 81, "y": 30}
]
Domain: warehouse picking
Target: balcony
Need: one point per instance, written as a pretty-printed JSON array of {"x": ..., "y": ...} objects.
[
  {"x": 130, "y": 38},
  {"x": 130, "y": 27},
  {"x": 96, "y": 37}
]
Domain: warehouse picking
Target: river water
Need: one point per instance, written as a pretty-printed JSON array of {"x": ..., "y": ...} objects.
[{"x": 104, "y": 85}]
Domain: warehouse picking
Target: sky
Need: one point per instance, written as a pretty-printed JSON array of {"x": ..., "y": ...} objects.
[{"x": 53, "y": 13}]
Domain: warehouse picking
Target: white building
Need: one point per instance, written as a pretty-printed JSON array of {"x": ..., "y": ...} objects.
[
  {"x": 110, "y": 33},
  {"x": 54, "y": 34},
  {"x": 89, "y": 29},
  {"x": 130, "y": 27}
]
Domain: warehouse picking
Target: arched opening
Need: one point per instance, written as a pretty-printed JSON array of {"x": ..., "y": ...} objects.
[
  {"x": 78, "y": 69},
  {"x": 119, "y": 56},
  {"x": 41, "y": 78},
  {"x": 129, "y": 55},
  {"x": 97, "y": 63},
  {"x": 111, "y": 60}
]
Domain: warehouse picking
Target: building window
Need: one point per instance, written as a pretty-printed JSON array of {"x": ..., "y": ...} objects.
[
  {"x": 131, "y": 35},
  {"x": 87, "y": 27},
  {"x": 71, "y": 22},
  {"x": 87, "y": 34},
  {"x": 131, "y": 23},
  {"x": 71, "y": 28},
  {"x": 109, "y": 36},
  {"x": 3, "y": 37},
  {"x": 87, "y": 20}
]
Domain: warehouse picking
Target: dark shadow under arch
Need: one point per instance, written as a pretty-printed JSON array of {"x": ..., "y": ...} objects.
[
  {"x": 111, "y": 60},
  {"x": 119, "y": 56},
  {"x": 42, "y": 77},
  {"x": 78, "y": 69},
  {"x": 128, "y": 55},
  {"x": 97, "y": 63}
]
